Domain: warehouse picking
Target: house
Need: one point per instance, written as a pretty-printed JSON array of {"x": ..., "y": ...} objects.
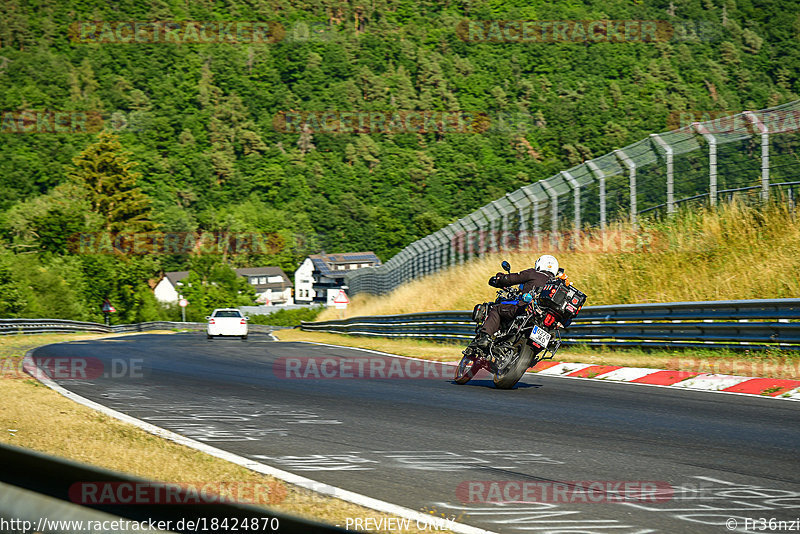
[
  {"x": 320, "y": 277},
  {"x": 271, "y": 284},
  {"x": 168, "y": 289}
]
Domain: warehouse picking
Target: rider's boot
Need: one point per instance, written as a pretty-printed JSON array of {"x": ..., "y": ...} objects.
[{"x": 482, "y": 342}]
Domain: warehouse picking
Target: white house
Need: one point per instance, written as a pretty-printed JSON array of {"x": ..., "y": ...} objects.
[
  {"x": 272, "y": 285},
  {"x": 320, "y": 277},
  {"x": 169, "y": 287}
]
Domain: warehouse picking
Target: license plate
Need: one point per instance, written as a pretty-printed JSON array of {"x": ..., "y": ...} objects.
[{"x": 540, "y": 337}]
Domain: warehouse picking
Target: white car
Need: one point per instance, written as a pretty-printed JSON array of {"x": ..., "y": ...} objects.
[{"x": 226, "y": 322}]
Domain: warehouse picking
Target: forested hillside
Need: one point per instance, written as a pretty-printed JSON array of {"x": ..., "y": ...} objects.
[{"x": 196, "y": 147}]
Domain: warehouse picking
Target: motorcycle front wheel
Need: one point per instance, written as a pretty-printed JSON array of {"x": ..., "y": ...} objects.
[
  {"x": 466, "y": 369},
  {"x": 511, "y": 374}
]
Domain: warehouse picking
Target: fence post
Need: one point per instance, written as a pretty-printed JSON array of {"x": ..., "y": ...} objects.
[
  {"x": 628, "y": 162},
  {"x": 670, "y": 170},
  {"x": 537, "y": 225},
  {"x": 764, "y": 131},
  {"x": 503, "y": 245},
  {"x": 522, "y": 236},
  {"x": 601, "y": 178},
  {"x": 712, "y": 160},
  {"x": 448, "y": 250},
  {"x": 491, "y": 228},
  {"x": 576, "y": 192},
  {"x": 553, "y": 212}
]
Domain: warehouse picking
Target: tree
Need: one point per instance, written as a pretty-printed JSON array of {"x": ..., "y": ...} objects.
[
  {"x": 213, "y": 284},
  {"x": 11, "y": 300},
  {"x": 106, "y": 172}
]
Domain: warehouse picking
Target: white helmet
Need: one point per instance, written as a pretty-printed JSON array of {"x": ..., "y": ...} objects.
[{"x": 547, "y": 263}]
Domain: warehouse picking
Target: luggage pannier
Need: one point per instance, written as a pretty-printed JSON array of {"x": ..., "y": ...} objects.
[
  {"x": 480, "y": 311},
  {"x": 565, "y": 301}
]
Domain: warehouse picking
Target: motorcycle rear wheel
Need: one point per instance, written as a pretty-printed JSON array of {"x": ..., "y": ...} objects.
[
  {"x": 467, "y": 368},
  {"x": 514, "y": 372}
]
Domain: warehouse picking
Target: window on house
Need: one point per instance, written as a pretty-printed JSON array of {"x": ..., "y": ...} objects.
[{"x": 262, "y": 280}]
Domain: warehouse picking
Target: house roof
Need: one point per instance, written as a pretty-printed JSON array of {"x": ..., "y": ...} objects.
[
  {"x": 347, "y": 257},
  {"x": 323, "y": 262},
  {"x": 176, "y": 276},
  {"x": 266, "y": 271}
]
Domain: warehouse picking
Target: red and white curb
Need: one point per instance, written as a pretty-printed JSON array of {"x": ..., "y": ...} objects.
[{"x": 767, "y": 387}]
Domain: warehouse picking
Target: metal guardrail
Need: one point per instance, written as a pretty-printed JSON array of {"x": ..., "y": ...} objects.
[
  {"x": 44, "y": 326},
  {"x": 35, "y": 486},
  {"x": 737, "y": 324}
]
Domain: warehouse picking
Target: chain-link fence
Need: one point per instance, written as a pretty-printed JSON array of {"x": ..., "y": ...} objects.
[{"x": 756, "y": 154}]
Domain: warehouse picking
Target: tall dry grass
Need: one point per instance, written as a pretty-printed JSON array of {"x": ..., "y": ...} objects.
[{"x": 733, "y": 251}]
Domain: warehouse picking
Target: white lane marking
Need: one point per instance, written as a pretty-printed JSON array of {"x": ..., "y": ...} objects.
[
  {"x": 286, "y": 476},
  {"x": 374, "y": 352},
  {"x": 713, "y": 502},
  {"x": 540, "y": 516},
  {"x": 421, "y": 460}
]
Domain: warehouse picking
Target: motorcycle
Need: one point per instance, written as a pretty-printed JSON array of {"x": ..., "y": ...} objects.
[{"x": 528, "y": 338}]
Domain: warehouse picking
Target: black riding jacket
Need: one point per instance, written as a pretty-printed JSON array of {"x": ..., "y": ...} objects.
[{"x": 530, "y": 278}]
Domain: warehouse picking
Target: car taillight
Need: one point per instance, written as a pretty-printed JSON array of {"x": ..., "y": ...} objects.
[
  {"x": 549, "y": 319},
  {"x": 211, "y": 321},
  {"x": 243, "y": 321}
]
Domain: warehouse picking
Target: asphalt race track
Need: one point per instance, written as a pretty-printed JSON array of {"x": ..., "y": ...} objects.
[{"x": 429, "y": 444}]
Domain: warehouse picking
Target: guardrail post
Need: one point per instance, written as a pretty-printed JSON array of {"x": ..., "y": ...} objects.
[
  {"x": 670, "y": 172},
  {"x": 764, "y": 131},
  {"x": 628, "y": 162},
  {"x": 712, "y": 160}
]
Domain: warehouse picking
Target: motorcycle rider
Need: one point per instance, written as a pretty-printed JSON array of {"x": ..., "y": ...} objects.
[{"x": 543, "y": 271}]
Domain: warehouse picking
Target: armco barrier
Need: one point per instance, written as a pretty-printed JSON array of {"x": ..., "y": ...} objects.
[
  {"x": 36, "y": 487},
  {"x": 737, "y": 324},
  {"x": 43, "y": 326}
]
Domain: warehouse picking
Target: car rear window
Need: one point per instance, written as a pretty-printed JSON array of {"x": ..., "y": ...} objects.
[{"x": 227, "y": 313}]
